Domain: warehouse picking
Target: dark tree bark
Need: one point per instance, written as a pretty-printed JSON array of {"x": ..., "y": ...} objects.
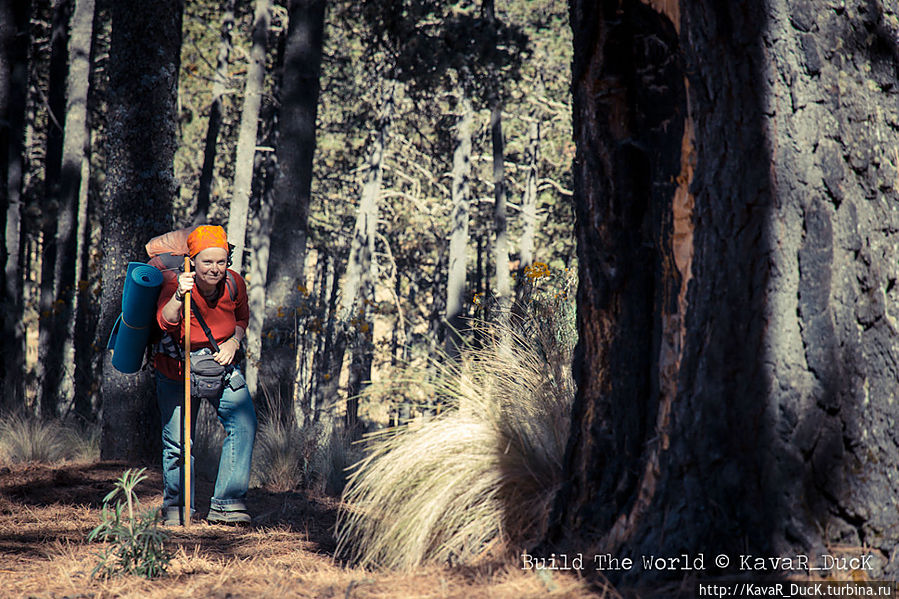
[
  {"x": 734, "y": 185},
  {"x": 13, "y": 86},
  {"x": 59, "y": 268},
  {"x": 55, "y": 105},
  {"x": 215, "y": 115},
  {"x": 140, "y": 185},
  {"x": 296, "y": 147},
  {"x": 86, "y": 335}
]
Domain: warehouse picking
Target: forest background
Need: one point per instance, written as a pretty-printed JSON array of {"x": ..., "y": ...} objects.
[
  {"x": 734, "y": 177},
  {"x": 439, "y": 189}
]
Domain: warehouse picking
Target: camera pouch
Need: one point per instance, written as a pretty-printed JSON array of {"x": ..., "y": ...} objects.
[{"x": 207, "y": 377}]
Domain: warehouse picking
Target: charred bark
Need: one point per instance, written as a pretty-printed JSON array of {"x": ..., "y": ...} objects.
[
  {"x": 140, "y": 184},
  {"x": 13, "y": 85},
  {"x": 56, "y": 330},
  {"x": 735, "y": 193}
]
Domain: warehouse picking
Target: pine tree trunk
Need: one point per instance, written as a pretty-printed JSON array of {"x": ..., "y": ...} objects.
[
  {"x": 501, "y": 246},
  {"x": 260, "y": 246},
  {"x": 734, "y": 186},
  {"x": 139, "y": 188},
  {"x": 207, "y": 173},
  {"x": 523, "y": 287},
  {"x": 56, "y": 338},
  {"x": 329, "y": 360},
  {"x": 458, "y": 250},
  {"x": 13, "y": 84},
  {"x": 47, "y": 307},
  {"x": 359, "y": 285},
  {"x": 87, "y": 360},
  {"x": 246, "y": 139},
  {"x": 293, "y": 184}
]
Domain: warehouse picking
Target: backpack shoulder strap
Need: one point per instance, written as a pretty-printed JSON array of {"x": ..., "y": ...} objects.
[
  {"x": 231, "y": 284},
  {"x": 203, "y": 325}
]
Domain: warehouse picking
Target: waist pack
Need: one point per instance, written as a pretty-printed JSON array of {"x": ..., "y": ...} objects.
[{"x": 207, "y": 377}]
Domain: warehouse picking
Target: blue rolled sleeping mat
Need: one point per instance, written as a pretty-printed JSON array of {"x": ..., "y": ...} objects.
[{"x": 131, "y": 331}]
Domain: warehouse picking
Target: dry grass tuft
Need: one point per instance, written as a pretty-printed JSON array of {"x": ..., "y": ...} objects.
[
  {"x": 289, "y": 457},
  {"x": 476, "y": 480},
  {"x": 26, "y": 438},
  {"x": 280, "y": 455}
]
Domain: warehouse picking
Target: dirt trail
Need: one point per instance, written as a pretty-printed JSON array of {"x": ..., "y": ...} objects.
[{"x": 47, "y": 511}]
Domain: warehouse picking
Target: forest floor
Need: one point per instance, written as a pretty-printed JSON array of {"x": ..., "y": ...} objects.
[{"x": 47, "y": 511}]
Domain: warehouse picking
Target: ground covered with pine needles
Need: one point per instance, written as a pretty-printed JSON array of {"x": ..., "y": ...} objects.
[{"x": 47, "y": 511}]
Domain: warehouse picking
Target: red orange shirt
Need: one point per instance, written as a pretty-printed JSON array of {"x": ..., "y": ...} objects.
[{"x": 221, "y": 318}]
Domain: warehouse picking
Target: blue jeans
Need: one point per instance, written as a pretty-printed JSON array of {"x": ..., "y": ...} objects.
[{"x": 236, "y": 413}]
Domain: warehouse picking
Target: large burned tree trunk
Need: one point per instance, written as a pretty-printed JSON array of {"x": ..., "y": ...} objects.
[
  {"x": 736, "y": 192},
  {"x": 139, "y": 187}
]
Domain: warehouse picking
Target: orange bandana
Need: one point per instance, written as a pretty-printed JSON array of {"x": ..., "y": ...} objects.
[{"x": 206, "y": 236}]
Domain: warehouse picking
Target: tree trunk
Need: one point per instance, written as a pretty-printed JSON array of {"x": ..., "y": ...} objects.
[
  {"x": 260, "y": 246},
  {"x": 361, "y": 272},
  {"x": 734, "y": 183},
  {"x": 55, "y": 104},
  {"x": 87, "y": 359},
  {"x": 139, "y": 188},
  {"x": 523, "y": 287},
  {"x": 246, "y": 139},
  {"x": 296, "y": 147},
  {"x": 56, "y": 339},
  {"x": 329, "y": 360},
  {"x": 501, "y": 245},
  {"x": 215, "y": 115},
  {"x": 458, "y": 250},
  {"x": 13, "y": 85}
]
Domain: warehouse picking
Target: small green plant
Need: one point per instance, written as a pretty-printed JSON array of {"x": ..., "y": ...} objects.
[{"x": 136, "y": 543}]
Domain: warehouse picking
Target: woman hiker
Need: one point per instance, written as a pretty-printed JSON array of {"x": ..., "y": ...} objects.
[{"x": 220, "y": 297}]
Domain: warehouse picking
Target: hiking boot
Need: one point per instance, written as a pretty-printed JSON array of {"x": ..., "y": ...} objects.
[
  {"x": 232, "y": 514},
  {"x": 171, "y": 516}
]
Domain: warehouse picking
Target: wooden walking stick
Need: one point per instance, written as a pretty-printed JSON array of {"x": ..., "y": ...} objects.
[{"x": 187, "y": 406}]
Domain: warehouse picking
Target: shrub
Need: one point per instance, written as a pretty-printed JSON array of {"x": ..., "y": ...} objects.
[
  {"x": 334, "y": 455},
  {"x": 288, "y": 457},
  {"x": 136, "y": 543},
  {"x": 26, "y": 438},
  {"x": 280, "y": 455},
  {"x": 477, "y": 479}
]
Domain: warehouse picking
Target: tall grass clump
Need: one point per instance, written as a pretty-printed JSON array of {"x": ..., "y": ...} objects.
[
  {"x": 27, "y": 438},
  {"x": 478, "y": 479},
  {"x": 288, "y": 456},
  {"x": 280, "y": 455}
]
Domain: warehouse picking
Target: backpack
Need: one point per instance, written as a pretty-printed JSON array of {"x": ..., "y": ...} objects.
[{"x": 167, "y": 253}]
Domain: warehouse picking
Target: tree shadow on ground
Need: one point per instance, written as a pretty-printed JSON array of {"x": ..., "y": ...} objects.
[{"x": 42, "y": 506}]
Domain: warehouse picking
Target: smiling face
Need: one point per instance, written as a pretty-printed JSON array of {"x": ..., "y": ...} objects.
[{"x": 210, "y": 265}]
